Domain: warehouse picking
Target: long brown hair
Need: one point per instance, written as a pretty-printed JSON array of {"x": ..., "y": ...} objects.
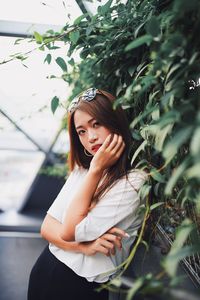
[{"x": 101, "y": 109}]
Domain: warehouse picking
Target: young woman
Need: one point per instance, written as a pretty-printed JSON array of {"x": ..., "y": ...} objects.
[{"x": 94, "y": 220}]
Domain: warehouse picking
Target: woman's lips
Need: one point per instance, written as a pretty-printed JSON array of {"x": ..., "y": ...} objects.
[{"x": 96, "y": 148}]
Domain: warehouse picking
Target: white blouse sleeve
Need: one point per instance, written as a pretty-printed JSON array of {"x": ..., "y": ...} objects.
[
  {"x": 118, "y": 203},
  {"x": 58, "y": 206}
]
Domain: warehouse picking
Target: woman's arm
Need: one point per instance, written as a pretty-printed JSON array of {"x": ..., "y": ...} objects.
[
  {"x": 105, "y": 157},
  {"x": 78, "y": 209},
  {"x": 50, "y": 230},
  {"x": 119, "y": 204}
]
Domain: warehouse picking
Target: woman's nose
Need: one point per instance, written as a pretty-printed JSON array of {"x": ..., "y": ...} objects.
[{"x": 92, "y": 137}]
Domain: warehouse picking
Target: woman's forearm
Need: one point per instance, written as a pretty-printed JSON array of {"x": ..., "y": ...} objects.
[
  {"x": 50, "y": 231},
  {"x": 79, "y": 207}
]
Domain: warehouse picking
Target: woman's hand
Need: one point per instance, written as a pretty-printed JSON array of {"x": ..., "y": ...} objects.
[
  {"x": 108, "y": 153},
  {"x": 105, "y": 244}
]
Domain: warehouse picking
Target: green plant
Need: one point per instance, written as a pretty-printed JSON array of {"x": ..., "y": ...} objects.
[{"x": 56, "y": 170}]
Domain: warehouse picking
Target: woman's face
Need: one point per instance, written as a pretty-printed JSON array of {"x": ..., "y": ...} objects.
[{"x": 91, "y": 133}]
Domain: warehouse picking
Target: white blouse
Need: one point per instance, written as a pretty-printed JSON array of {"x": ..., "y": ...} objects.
[{"x": 118, "y": 207}]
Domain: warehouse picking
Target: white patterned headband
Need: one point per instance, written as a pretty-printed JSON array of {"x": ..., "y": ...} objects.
[{"x": 87, "y": 96}]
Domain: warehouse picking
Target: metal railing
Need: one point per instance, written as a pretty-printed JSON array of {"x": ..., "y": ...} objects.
[{"x": 166, "y": 229}]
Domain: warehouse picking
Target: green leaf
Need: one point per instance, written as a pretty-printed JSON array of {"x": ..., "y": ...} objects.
[
  {"x": 139, "y": 149},
  {"x": 157, "y": 176},
  {"x": 17, "y": 41},
  {"x": 195, "y": 142},
  {"x": 155, "y": 205},
  {"x": 156, "y": 114},
  {"x": 161, "y": 136},
  {"x": 153, "y": 287},
  {"x": 142, "y": 115},
  {"x": 145, "y": 39},
  {"x": 116, "y": 282},
  {"x": 144, "y": 191},
  {"x": 48, "y": 58},
  {"x": 79, "y": 19},
  {"x": 145, "y": 244},
  {"x": 138, "y": 29},
  {"x": 141, "y": 210},
  {"x": 88, "y": 30},
  {"x": 21, "y": 57},
  {"x": 54, "y": 104},
  {"x": 153, "y": 27},
  {"x": 194, "y": 171},
  {"x": 176, "y": 142},
  {"x": 74, "y": 36},
  {"x": 42, "y": 48},
  {"x": 169, "y": 117},
  {"x": 51, "y": 77},
  {"x": 177, "y": 251},
  {"x": 71, "y": 62},
  {"x": 156, "y": 189},
  {"x": 60, "y": 61},
  {"x": 137, "y": 283},
  {"x": 38, "y": 37},
  {"x": 84, "y": 53},
  {"x": 53, "y": 47},
  {"x": 131, "y": 70},
  {"x": 176, "y": 175},
  {"x": 103, "y": 9}
]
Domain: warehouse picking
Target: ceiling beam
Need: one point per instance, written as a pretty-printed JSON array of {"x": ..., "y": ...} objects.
[
  {"x": 23, "y": 29},
  {"x": 83, "y": 8}
]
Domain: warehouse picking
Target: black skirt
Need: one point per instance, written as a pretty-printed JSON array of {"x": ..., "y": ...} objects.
[{"x": 50, "y": 279}]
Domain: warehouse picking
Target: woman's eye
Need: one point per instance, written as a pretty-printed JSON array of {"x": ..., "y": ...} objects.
[
  {"x": 96, "y": 124},
  {"x": 81, "y": 132}
]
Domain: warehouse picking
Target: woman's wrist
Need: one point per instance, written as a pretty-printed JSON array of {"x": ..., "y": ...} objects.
[
  {"x": 73, "y": 246},
  {"x": 96, "y": 171},
  {"x": 80, "y": 248}
]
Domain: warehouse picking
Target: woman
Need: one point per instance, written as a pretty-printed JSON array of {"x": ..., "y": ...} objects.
[{"x": 93, "y": 221}]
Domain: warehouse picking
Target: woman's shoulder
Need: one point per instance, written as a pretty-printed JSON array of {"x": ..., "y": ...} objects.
[
  {"x": 137, "y": 173},
  {"x": 133, "y": 177},
  {"x": 137, "y": 177},
  {"x": 78, "y": 171},
  {"x": 132, "y": 181}
]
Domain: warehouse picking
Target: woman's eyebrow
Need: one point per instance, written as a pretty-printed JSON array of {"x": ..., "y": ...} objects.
[{"x": 80, "y": 126}]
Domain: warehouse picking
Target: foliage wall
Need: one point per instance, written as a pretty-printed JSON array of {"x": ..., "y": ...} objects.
[{"x": 148, "y": 54}]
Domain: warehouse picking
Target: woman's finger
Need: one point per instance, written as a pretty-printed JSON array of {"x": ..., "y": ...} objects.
[
  {"x": 118, "y": 231},
  {"x": 108, "y": 245},
  {"x": 113, "y": 143},
  {"x": 103, "y": 250},
  {"x": 116, "y": 240},
  {"x": 107, "y": 142},
  {"x": 119, "y": 148}
]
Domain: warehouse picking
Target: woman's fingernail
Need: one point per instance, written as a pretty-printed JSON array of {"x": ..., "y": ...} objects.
[{"x": 127, "y": 235}]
